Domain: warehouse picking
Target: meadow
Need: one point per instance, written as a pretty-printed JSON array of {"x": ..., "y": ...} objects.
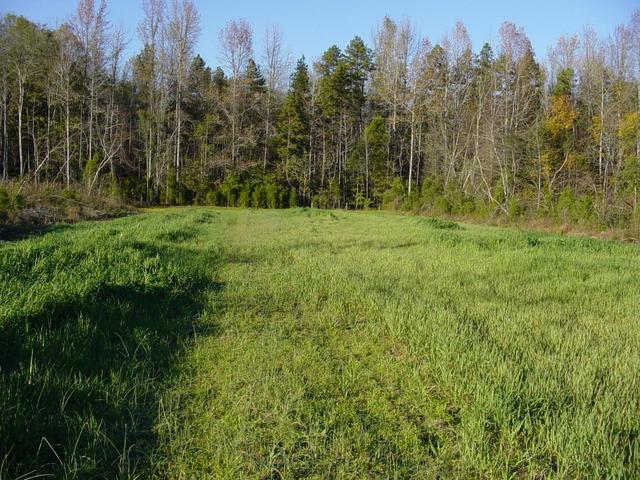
[{"x": 264, "y": 344}]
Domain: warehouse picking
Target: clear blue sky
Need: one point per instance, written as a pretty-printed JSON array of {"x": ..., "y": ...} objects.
[{"x": 309, "y": 27}]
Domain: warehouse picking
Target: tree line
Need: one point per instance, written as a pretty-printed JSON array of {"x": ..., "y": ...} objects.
[{"x": 402, "y": 122}]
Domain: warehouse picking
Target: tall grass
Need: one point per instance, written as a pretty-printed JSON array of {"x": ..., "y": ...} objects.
[
  {"x": 200, "y": 343},
  {"x": 91, "y": 319}
]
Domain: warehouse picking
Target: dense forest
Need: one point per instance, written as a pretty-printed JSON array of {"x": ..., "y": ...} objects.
[{"x": 404, "y": 122}]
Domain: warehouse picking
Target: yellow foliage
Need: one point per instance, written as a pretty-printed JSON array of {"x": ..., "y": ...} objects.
[
  {"x": 562, "y": 116},
  {"x": 545, "y": 161},
  {"x": 629, "y": 128},
  {"x": 596, "y": 128}
]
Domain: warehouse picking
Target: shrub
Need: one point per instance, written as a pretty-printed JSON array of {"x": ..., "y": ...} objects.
[
  {"x": 514, "y": 207},
  {"x": 442, "y": 224},
  {"x": 441, "y": 206},
  {"x": 271, "y": 194},
  {"x": 392, "y": 197},
  {"x": 5, "y": 200},
  {"x": 564, "y": 205},
  {"x": 258, "y": 197},
  {"x": 210, "y": 198},
  {"x": 293, "y": 198},
  {"x": 244, "y": 199}
]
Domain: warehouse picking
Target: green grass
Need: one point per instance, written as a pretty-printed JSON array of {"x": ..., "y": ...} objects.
[{"x": 204, "y": 343}]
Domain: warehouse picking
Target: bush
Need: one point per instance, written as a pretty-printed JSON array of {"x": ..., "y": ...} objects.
[
  {"x": 5, "y": 199},
  {"x": 5, "y": 205},
  {"x": 244, "y": 199},
  {"x": 442, "y": 224},
  {"x": 467, "y": 207},
  {"x": 50, "y": 203},
  {"x": 89, "y": 169},
  {"x": 583, "y": 211},
  {"x": 293, "y": 198},
  {"x": 211, "y": 198},
  {"x": 271, "y": 193},
  {"x": 409, "y": 202},
  {"x": 258, "y": 197},
  {"x": 441, "y": 206},
  {"x": 514, "y": 207},
  {"x": 393, "y": 197}
]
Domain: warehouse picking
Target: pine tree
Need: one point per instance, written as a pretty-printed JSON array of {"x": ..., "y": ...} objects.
[{"x": 293, "y": 126}]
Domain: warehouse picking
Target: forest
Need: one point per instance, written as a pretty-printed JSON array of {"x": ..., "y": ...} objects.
[
  {"x": 383, "y": 301},
  {"x": 404, "y": 121}
]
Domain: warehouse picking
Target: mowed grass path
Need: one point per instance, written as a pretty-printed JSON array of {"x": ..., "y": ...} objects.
[{"x": 313, "y": 344}]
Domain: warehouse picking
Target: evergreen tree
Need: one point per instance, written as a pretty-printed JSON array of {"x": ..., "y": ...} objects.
[{"x": 293, "y": 127}]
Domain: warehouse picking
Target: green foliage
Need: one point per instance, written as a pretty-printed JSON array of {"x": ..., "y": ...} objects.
[
  {"x": 211, "y": 198},
  {"x": 441, "y": 224},
  {"x": 229, "y": 188},
  {"x": 575, "y": 209},
  {"x": 271, "y": 195},
  {"x": 564, "y": 83},
  {"x": 293, "y": 198},
  {"x": 565, "y": 205},
  {"x": 90, "y": 169},
  {"x": 244, "y": 199},
  {"x": 630, "y": 176},
  {"x": 360, "y": 201},
  {"x": 377, "y": 139},
  {"x": 514, "y": 206},
  {"x": 5, "y": 204},
  {"x": 258, "y": 197},
  {"x": 441, "y": 206},
  {"x": 393, "y": 197},
  {"x": 293, "y": 124}
]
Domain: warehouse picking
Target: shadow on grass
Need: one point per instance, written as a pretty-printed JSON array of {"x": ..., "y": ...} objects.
[
  {"x": 12, "y": 233},
  {"x": 82, "y": 380}
]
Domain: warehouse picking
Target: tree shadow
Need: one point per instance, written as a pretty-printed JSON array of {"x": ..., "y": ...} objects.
[
  {"x": 83, "y": 380},
  {"x": 12, "y": 233}
]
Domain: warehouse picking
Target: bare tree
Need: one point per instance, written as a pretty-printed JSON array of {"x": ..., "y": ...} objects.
[
  {"x": 276, "y": 66},
  {"x": 416, "y": 101},
  {"x": 91, "y": 27},
  {"x": 236, "y": 40},
  {"x": 67, "y": 54},
  {"x": 457, "y": 95},
  {"x": 182, "y": 31},
  {"x": 634, "y": 30},
  {"x": 22, "y": 53},
  {"x": 150, "y": 31},
  {"x": 563, "y": 55},
  {"x": 393, "y": 46},
  {"x": 4, "y": 85}
]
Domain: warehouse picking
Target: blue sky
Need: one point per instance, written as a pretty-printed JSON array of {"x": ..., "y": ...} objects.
[{"x": 309, "y": 27}]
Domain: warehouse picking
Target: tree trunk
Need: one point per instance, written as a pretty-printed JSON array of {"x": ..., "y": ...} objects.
[
  {"x": 5, "y": 136},
  {"x": 67, "y": 139},
  {"x": 20, "y": 103},
  {"x": 413, "y": 118}
]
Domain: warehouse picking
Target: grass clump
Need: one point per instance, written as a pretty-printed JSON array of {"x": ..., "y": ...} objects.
[{"x": 440, "y": 223}]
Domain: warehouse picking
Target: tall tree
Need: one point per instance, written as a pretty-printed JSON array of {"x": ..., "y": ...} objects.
[
  {"x": 236, "y": 40},
  {"x": 294, "y": 128},
  {"x": 182, "y": 30}
]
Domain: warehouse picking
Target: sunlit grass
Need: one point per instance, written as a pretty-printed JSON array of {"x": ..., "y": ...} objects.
[{"x": 202, "y": 343}]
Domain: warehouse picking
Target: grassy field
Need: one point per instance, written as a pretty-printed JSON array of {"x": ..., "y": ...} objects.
[{"x": 203, "y": 343}]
